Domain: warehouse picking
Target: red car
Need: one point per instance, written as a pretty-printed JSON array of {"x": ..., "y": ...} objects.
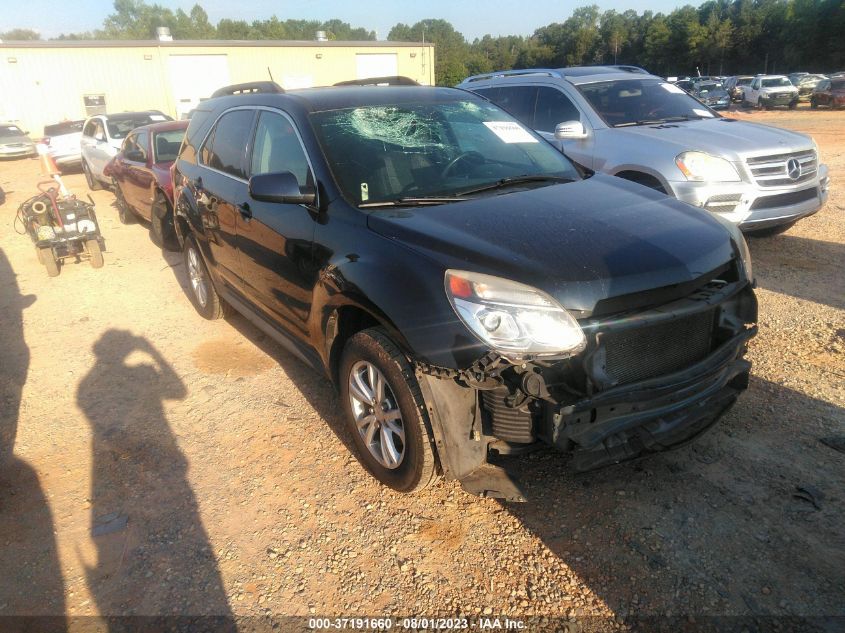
[
  {"x": 142, "y": 180},
  {"x": 829, "y": 92}
]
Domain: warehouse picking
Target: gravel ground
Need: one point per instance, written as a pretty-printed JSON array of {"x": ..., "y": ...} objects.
[{"x": 170, "y": 465}]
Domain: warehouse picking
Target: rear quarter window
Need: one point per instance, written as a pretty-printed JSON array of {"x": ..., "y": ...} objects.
[{"x": 194, "y": 135}]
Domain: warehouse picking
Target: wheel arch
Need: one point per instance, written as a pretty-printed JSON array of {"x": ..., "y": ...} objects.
[
  {"x": 644, "y": 176},
  {"x": 343, "y": 321}
]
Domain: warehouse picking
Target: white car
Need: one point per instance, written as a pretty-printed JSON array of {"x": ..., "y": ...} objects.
[
  {"x": 102, "y": 138},
  {"x": 768, "y": 91},
  {"x": 62, "y": 141}
]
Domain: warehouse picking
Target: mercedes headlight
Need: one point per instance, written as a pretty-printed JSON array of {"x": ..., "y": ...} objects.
[
  {"x": 513, "y": 319},
  {"x": 703, "y": 167}
]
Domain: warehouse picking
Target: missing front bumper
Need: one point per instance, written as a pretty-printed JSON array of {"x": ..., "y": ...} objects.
[{"x": 652, "y": 415}]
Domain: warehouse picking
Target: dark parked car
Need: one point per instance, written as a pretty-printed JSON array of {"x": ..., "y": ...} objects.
[
  {"x": 141, "y": 177},
  {"x": 830, "y": 93},
  {"x": 712, "y": 94},
  {"x": 807, "y": 84},
  {"x": 469, "y": 290},
  {"x": 686, "y": 85},
  {"x": 735, "y": 85}
]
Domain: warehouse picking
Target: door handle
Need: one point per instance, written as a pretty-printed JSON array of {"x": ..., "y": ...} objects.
[{"x": 245, "y": 211}]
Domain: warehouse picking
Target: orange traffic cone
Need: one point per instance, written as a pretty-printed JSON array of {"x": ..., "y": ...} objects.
[{"x": 48, "y": 165}]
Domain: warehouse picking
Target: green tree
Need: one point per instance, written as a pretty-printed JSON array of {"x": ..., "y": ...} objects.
[
  {"x": 450, "y": 52},
  {"x": 20, "y": 35}
]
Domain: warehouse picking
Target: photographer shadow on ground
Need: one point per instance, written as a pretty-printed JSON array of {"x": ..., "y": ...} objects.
[
  {"x": 29, "y": 553},
  {"x": 153, "y": 553}
]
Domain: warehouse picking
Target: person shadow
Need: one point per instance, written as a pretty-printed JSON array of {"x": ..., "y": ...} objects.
[
  {"x": 31, "y": 584},
  {"x": 153, "y": 556}
]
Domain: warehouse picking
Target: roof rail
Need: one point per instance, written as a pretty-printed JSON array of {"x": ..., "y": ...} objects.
[
  {"x": 543, "y": 72},
  {"x": 250, "y": 87},
  {"x": 395, "y": 80}
]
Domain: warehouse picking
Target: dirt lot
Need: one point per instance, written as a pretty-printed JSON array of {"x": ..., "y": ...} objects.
[{"x": 170, "y": 465}]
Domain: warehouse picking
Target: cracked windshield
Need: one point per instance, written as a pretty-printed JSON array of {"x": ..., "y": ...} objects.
[{"x": 412, "y": 151}]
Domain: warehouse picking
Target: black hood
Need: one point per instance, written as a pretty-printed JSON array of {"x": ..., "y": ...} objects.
[{"x": 582, "y": 242}]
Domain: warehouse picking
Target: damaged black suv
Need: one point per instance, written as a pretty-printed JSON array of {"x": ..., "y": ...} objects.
[{"x": 470, "y": 291}]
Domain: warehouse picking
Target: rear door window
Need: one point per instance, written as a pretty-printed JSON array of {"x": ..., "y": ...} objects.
[
  {"x": 225, "y": 149},
  {"x": 518, "y": 100},
  {"x": 553, "y": 107}
]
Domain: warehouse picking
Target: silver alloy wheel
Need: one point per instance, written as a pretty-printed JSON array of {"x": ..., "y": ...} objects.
[
  {"x": 377, "y": 414},
  {"x": 197, "y": 277}
]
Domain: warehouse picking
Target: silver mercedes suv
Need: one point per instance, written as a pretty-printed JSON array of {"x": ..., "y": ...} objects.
[{"x": 641, "y": 128}]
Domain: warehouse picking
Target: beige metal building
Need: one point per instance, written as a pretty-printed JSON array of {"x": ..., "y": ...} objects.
[{"x": 48, "y": 82}]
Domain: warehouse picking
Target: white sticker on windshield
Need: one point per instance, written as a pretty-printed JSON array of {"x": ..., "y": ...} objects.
[
  {"x": 365, "y": 192},
  {"x": 157, "y": 117},
  {"x": 672, "y": 88},
  {"x": 510, "y": 132},
  {"x": 703, "y": 113}
]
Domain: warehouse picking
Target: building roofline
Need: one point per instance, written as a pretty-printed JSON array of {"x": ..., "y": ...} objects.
[{"x": 207, "y": 44}]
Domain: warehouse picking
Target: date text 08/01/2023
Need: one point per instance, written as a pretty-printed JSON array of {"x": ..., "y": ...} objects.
[{"x": 416, "y": 624}]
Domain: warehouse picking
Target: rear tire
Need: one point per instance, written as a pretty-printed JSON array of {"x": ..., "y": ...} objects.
[
  {"x": 385, "y": 412},
  {"x": 96, "y": 253},
  {"x": 200, "y": 287},
  {"x": 124, "y": 213},
  {"x": 93, "y": 183},
  {"x": 50, "y": 261}
]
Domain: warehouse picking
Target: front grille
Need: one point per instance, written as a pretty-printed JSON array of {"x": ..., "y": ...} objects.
[
  {"x": 784, "y": 199},
  {"x": 772, "y": 171},
  {"x": 645, "y": 352}
]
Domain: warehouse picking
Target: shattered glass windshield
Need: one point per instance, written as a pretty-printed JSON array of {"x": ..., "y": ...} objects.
[{"x": 432, "y": 150}]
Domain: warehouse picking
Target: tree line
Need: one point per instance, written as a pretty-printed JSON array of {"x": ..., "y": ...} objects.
[{"x": 717, "y": 37}]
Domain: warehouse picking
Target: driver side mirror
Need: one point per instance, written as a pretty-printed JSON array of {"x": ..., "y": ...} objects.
[
  {"x": 280, "y": 187},
  {"x": 135, "y": 155},
  {"x": 570, "y": 130}
]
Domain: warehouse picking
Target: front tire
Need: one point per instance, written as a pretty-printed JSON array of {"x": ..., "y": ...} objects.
[
  {"x": 201, "y": 289},
  {"x": 385, "y": 412},
  {"x": 93, "y": 183}
]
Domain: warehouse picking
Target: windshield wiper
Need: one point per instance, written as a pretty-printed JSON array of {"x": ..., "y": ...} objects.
[
  {"x": 418, "y": 201},
  {"x": 668, "y": 119},
  {"x": 515, "y": 180}
]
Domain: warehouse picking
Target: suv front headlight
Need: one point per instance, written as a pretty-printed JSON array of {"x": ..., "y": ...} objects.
[
  {"x": 703, "y": 167},
  {"x": 512, "y": 318}
]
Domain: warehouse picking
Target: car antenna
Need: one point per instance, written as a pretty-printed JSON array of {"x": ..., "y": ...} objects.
[{"x": 270, "y": 73}]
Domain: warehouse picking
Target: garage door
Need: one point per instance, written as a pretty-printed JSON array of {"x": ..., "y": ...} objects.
[
  {"x": 195, "y": 77},
  {"x": 381, "y": 65}
]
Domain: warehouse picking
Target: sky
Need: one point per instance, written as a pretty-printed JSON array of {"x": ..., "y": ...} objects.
[{"x": 473, "y": 18}]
